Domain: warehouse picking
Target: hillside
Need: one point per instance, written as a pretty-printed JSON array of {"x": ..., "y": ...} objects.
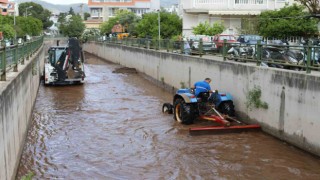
[
  {"x": 168, "y": 3},
  {"x": 55, "y": 8}
]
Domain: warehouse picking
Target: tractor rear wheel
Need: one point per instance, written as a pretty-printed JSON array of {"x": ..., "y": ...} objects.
[
  {"x": 184, "y": 113},
  {"x": 227, "y": 108}
]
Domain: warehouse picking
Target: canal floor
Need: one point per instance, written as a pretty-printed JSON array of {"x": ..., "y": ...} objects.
[{"x": 112, "y": 127}]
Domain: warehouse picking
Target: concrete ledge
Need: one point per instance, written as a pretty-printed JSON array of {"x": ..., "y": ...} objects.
[{"x": 17, "y": 98}]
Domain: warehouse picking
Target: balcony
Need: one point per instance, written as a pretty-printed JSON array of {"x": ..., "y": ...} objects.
[{"x": 225, "y": 5}]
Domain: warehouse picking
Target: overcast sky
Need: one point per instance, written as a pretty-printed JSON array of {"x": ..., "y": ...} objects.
[{"x": 66, "y": 1}]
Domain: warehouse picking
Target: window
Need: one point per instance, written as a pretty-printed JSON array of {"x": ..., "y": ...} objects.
[
  {"x": 241, "y": 1},
  {"x": 247, "y": 2}
]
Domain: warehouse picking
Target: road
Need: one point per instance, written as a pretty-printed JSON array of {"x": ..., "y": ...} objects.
[{"x": 112, "y": 127}]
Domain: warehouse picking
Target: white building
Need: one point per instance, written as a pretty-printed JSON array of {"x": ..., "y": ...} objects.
[
  {"x": 228, "y": 11},
  {"x": 172, "y": 9},
  {"x": 104, "y": 9}
]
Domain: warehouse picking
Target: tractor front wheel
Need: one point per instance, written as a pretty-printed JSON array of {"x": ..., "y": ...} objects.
[
  {"x": 227, "y": 108},
  {"x": 183, "y": 112},
  {"x": 167, "y": 108}
]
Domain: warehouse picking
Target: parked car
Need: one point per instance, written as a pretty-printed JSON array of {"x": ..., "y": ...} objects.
[
  {"x": 219, "y": 39},
  {"x": 250, "y": 39},
  {"x": 207, "y": 44}
]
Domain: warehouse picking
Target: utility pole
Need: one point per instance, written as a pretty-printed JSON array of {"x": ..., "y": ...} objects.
[{"x": 81, "y": 11}]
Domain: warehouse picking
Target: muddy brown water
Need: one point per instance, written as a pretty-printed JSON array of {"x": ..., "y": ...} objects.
[{"x": 112, "y": 127}]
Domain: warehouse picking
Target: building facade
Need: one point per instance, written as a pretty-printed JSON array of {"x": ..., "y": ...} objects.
[
  {"x": 102, "y": 10},
  {"x": 230, "y": 12},
  {"x": 8, "y": 8}
]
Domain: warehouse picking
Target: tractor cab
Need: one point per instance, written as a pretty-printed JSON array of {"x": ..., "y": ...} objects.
[{"x": 55, "y": 53}]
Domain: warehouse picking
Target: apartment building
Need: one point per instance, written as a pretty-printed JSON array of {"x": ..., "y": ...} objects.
[
  {"x": 8, "y": 8},
  {"x": 102, "y": 10},
  {"x": 230, "y": 12}
]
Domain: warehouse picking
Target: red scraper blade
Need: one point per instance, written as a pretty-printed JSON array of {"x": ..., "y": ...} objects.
[{"x": 224, "y": 128}]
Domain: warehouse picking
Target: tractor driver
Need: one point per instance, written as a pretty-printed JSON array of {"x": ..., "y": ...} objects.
[{"x": 202, "y": 86}]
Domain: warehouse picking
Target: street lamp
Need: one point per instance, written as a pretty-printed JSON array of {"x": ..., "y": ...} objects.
[
  {"x": 14, "y": 22},
  {"x": 159, "y": 26},
  {"x": 27, "y": 10}
]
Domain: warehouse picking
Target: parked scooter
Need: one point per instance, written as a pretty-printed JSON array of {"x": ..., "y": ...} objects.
[
  {"x": 315, "y": 54},
  {"x": 237, "y": 53},
  {"x": 274, "y": 55}
]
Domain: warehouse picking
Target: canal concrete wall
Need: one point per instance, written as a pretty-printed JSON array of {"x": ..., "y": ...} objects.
[
  {"x": 17, "y": 98},
  {"x": 293, "y": 98}
]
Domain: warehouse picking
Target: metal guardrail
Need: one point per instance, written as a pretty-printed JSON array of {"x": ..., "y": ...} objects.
[
  {"x": 299, "y": 57},
  {"x": 11, "y": 56}
]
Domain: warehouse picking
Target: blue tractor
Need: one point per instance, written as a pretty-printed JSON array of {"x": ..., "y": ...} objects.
[{"x": 187, "y": 107}]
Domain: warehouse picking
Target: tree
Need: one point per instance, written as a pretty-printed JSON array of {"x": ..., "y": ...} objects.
[
  {"x": 86, "y": 16},
  {"x": 207, "y": 29},
  {"x": 170, "y": 25},
  {"x": 71, "y": 11},
  {"x": 72, "y": 26},
  {"x": 24, "y": 26},
  {"x": 28, "y": 26},
  {"x": 312, "y": 5},
  {"x": 127, "y": 19},
  {"x": 288, "y": 21},
  {"x": 36, "y": 11},
  {"x": 105, "y": 27},
  {"x": 8, "y": 31},
  {"x": 248, "y": 26}
]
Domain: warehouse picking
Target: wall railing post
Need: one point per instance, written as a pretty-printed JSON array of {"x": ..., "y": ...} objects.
[
  {"x": 224, "y": 50},
  {"x": 15, "y": 59},
  {"x": 200, "y": 47},
  {"x": 259, "y": 54},
  {"x": 4, "y": 65},
  {"x": 309, "y": 48}
]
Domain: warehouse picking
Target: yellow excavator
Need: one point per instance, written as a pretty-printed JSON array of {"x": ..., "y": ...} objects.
[{"x": 120, "y": 31}]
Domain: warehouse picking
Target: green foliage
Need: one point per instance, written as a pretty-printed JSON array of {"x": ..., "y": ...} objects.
[
  {"x": 127, "y": 19},
  {"x": 201, "y": 28},
  {"x": 106, "y": 26},
  {"x": 170, "y": 25},
  {"x": 177, "y": 37},
  {"x": 162, "y": 79},
  {"x": 71, "y": 11},
  {"x": 29, "y": 176},
  {"x": 86, "y": 15},
  {"x": 7, "y": 26},
  {"x": 248, "y": 26},
  {"x": 90, "y": 34},
  {"x": 28, "y": 26},
  {"x": 288, "y": 21},
  {"x": 72, "y": 26},
  {"x": 207, "y": 29},
  {"x": 254, "y": 99},
  {"x": 8, "y": 31},
  {"x": 182, "y": 85},
  {"x": 36, "y": 11}
]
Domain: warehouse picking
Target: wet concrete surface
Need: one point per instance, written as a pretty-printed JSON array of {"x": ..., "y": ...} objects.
[{"x": 112, "y": 127}]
